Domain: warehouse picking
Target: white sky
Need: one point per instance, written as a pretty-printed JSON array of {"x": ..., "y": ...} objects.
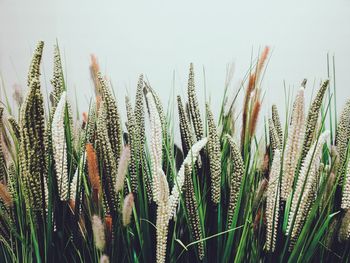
[{"x": 158, "y": 38}]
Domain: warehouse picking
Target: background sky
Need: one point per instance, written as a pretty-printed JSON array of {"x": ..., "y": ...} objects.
[{"x": 161, "y": 38}]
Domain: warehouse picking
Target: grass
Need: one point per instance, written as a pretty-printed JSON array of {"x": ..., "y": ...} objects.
[{"x": 179, "y": 211}]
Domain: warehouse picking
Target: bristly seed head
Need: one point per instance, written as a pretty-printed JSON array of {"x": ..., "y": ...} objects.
[
  {"x": 342, "y": 138},
  {"x": 304, "y": 194},
  {"x": 312, "y": 118},
  {"x": 214, "y": 152},
  {"x": 277, "y": 122},
  {"x": 99, "y": 232},
  {"x": 127, "y": 209},
  {"x": 293, "y": 145},
  {"x": 60, "y": 148},
  {"x": 272, "y": 202},
  {"x": 194, "y": 107},
  {"x": 235, "y": 178}
]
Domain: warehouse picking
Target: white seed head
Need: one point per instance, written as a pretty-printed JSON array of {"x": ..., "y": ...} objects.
[
  {"x": 60, "y": 148},
  {"x": 156, "y": 143},
  {"x": 99, "y": 232},
  {"x": 272, "y": 202},
  {"x": 294, "y": 144},
  {"x": 180, "y": 178}
]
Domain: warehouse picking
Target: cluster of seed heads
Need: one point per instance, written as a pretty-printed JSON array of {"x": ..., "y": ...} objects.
[
  {"x": 303, "y": 196},
  {"x": 32, "y": 147},
  {"x": 115, "y": 166}
]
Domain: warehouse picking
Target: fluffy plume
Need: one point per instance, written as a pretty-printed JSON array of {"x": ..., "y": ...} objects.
[
  {"x": 99, "y": 232},
  {"x": 304, "y": 195},
  {"x": 293, "y": 145},
  {"x": 104, "y": 259},
  {"x": 253, "y": 80},
  {"x": 262, "y": 60},
  {"x": 248, "y": 92},
  {"x": 92, "y": 165},
  {"x": 94, "y": 70},
  {"x": 272, "y": 202},
  {"x": 91, "y": 124},
  {"x": 214, "y": 153},
  {"x": 235, "y": 179},
  {"x": 342, "y": 138},
  {"x": 5, "y": 195},
  {"x": 311, "y": 120},
  {"x": 60, "y": 148},
  {"x": 109, "y": 228},
  {"x": 127, "y": 209},
  {"x": 254, "y": 117},
  {"x": 17, "y": 94},
  {"x": 122, "y": 168}
]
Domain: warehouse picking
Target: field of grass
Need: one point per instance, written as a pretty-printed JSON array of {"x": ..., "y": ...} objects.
[{"x": 92, "y": 189}]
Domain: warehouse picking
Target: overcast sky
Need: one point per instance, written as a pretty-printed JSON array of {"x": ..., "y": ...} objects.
[{"x": 161, "y": 38}]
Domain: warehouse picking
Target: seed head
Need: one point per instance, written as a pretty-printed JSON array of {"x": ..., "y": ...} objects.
[
  {"x": 99, "y": 232},
  {"x": 127, "y": 209},
  {"x": 272, "y": 202},
  {"x": 214, "y": 152}
]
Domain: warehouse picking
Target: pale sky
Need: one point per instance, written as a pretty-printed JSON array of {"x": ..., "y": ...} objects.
[{"x": 160, "y": 38}]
